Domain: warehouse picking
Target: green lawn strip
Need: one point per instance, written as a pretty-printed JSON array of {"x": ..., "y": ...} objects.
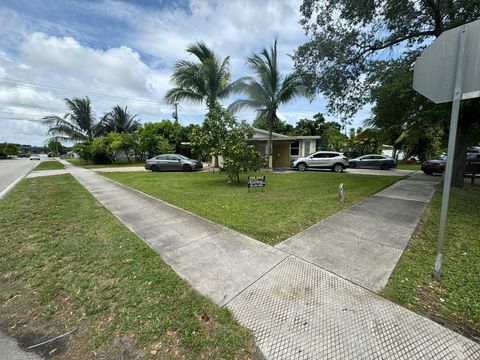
[
  {"x": 413, "y": 167},
  {"x": 50, "y": 165},
  {"x": 454, "y": 301},
  {"x": 68, "y": 263},
  {"x": 290, "y": 203},
  {"x": 88, "y": 165}
]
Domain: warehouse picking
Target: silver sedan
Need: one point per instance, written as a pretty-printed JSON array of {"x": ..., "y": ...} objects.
[
  {"x": 373, "y": 161},
  {"x": 172, "y": 162}
]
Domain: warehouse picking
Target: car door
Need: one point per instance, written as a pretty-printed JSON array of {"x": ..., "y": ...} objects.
[
  {"x": 173, "y": 163},
  {"x": 367, "y": 161},
  {"x": 161, "y": 162},
  {"x": 377, "y": 161},
  {"x": 318, "y": 160}
]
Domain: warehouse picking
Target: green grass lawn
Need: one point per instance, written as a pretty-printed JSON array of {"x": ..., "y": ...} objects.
[
  {"x": 89, "y": 165},
  {"x": 68, "y": 263},
  {"x": 454, "y": 301},
  {"x": 50, "y": 165},
  {"x": 291, "y": 202},
  {"x": 413, "y": 167}
]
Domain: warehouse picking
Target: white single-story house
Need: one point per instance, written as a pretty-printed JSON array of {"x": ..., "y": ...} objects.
[
  {"x": 285, "y": 148},
  {"x": 388, "y": 150}
]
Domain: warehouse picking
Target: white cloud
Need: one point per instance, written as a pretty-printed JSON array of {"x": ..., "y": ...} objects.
[{"x": 148, "y": 42}]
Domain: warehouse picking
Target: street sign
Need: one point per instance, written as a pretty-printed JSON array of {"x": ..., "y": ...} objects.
[
  {"x": 434, "y": 71},
  {"x": 449, "y": 70}
]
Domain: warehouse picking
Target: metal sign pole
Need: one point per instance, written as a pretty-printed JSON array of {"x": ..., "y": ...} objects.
[{"x": 457, "y": 97}]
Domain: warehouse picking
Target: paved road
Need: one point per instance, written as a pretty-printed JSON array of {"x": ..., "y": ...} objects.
[
  {"x": 9, "y": 350},
  {"x": 13, "y": 169}
]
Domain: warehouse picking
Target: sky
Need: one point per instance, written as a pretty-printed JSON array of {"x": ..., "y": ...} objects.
[{"x": 123, "y": 53}]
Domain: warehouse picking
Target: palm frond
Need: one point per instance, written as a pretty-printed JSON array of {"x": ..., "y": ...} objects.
[{"x": 243, "y": 103}]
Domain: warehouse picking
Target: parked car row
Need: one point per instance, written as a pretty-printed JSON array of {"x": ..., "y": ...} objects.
[
  {"x": 437, "y": 166},
  {"x": 337, "y": 162}
]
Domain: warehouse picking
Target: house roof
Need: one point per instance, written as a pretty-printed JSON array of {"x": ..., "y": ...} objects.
[{"x": 260, "y": 134}]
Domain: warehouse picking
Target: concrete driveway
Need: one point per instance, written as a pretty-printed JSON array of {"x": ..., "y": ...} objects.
[{"x": 12, "y": 171}]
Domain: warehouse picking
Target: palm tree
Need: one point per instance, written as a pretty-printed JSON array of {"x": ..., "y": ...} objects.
[
  {"x": 79, "y": 124},
  {"x": 206, "y": 81},
  {"x": 119, "y": 120},
  {"x": 268, "y": 91}
]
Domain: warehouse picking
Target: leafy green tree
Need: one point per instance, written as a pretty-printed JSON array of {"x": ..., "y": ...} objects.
[
  {"x": 119, "y": 120},
  {"x": 279, "y": 126},
  {"x": 79, "y": 124},
  {"x": 204, "y": 82},
  {"x": 405, "y": 118},
  {"x": 158, "y": 138},
  {"x": 209, "y": 139},
  {"x": 239, "y": 156},
  {"x": 7, "y": 149},
  {"x": 56, "y": 147},
  {"x": 365, "y": 141},
  {"x": 268, "y": 91},
  {"x": 333, "y": 139},
  {"x": 352, "y": 40}
]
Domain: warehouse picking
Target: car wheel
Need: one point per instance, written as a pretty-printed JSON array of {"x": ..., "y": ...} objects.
[
  {"x": 186, "y": 168},
  {"x": 384, "y": 167},
  {"x": 338, "y": 168},
  {"x": 155, "y": 168},
  {"x": 352, "y": 165},
  {"x": 302, "y": 167}
]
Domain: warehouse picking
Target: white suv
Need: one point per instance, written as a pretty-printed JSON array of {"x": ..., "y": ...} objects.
[{"x": 322, "y": 160}]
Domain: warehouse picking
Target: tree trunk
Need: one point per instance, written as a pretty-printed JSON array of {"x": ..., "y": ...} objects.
[
  {"x": 394, "y": 152},
  {"x": 468, "y": 133},
  {"x": 126, "y": 154},
  {"x": 268, "y": 150},
  {"x": 215, "y": 161}
]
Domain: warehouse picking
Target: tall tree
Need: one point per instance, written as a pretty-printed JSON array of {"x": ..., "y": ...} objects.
[
  {"x": 349, "y": 38},
  {"x": 204, "y": 82},
  {"x": 269, "y": 90},
  {"x": 406, "y": 118},
  {"x": 119, "y": 120},
  {"x": 79, "y": 124}
]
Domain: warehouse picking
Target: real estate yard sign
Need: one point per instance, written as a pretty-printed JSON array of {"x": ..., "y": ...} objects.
[{"x": 449, "y": 70}]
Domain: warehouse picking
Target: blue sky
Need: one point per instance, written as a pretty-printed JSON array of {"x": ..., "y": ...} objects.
[{"x": 122, "y": 52}]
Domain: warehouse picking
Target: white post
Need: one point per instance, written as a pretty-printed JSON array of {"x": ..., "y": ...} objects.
[{"x": 457, "y": 97}]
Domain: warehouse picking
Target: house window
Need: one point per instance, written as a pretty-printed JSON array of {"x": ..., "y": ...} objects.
[{"x": 295, "y": 148}]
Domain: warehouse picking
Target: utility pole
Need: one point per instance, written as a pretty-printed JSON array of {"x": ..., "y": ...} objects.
[{"x": 175, "y": 112}]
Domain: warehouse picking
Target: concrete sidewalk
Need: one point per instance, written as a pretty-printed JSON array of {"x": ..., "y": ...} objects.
[
  {"x": 295, "y": 309},
  {"x": 215, "y": 260},
  {"x": 364, "y": 243}
]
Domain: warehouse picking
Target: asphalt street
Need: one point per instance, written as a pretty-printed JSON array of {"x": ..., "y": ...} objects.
[{"x": 13, "y": 169}]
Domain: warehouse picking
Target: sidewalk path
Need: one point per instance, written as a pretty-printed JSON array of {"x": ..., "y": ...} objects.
[
  {"x": 295, "y": 309},
  {"x": 217, "y": 261},
  {"x": 364, "y": 243}
]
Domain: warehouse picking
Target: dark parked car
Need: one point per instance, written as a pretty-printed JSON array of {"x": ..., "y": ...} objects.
[
  {"x": 172, "y": 162},
  {"x": 373, "y": 161},
  {"x": 437, "y": 166}
]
